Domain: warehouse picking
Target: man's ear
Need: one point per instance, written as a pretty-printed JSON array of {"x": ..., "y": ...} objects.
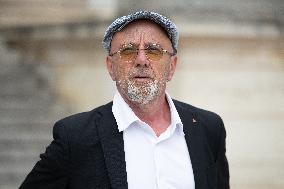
[
  {"x": 173, "y": 65},
  {"x": 110, "y": 67}
]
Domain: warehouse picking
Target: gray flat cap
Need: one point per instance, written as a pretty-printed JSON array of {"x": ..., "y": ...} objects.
[{"x": 161, "y": 20}]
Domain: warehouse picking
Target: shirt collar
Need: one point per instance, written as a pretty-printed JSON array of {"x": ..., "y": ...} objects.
[
  {"x": 124, "y": 115},
  {"x": 175, "y": 119}
]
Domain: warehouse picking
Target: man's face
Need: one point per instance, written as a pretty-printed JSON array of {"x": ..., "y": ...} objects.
[{"x": 141, "y": 79}]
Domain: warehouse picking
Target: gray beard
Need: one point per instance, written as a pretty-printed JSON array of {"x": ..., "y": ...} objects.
[{"x": 142, "y": 94}]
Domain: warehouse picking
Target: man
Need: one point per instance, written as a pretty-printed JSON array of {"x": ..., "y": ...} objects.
[{"x": 143, "y": 139}]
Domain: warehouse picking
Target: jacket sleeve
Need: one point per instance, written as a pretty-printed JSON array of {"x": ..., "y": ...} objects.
[
  {"x": 222, "y": 163},
  {"x": 51, "y": 170}
]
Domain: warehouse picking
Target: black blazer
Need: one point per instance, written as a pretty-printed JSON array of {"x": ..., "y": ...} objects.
[{"x": 88, "y": 152}]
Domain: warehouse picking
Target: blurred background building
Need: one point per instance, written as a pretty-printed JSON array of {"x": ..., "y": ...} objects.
[{"x": 231, "y": 61}]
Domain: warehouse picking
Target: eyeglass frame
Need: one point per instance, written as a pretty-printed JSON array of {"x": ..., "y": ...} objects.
[{"x": 164, "y": 51}]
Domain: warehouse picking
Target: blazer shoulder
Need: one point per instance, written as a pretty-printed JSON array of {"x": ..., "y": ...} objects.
[
  {"x": 201, "y": 113},
  {"x": 84, "y": 122},
  {"x": 212, "y": 122}
]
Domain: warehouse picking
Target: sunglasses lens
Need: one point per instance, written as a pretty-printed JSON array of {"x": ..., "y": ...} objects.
[
  {"x": 128, "y": 54},
  {"x": 154, "y": 53}
]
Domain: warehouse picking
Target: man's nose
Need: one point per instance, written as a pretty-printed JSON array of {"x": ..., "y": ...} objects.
[{"x": 141, "y": 59}]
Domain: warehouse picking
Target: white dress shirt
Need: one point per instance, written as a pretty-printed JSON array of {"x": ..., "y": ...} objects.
[{"x": 153, "y": 162}]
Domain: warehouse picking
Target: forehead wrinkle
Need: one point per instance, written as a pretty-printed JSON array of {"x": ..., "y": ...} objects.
[
  {"x": 137, "y": 39},
  {"x": 140, "y": 39}
]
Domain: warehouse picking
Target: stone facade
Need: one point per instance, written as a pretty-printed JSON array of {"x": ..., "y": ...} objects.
[{"x": 231, "y": 65}]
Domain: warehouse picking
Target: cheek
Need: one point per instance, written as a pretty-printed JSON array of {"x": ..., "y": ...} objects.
[
  {"x": 120, "y": 71},
  {"x": 162, "y": 71}
]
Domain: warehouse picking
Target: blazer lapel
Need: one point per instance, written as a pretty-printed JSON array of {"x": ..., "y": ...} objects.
[
  {"x": 113, "y": 149},
  {"x": 195, "y": 140}
]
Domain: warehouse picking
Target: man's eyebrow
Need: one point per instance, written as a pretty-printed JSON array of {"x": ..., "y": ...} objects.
[
  {"x": 129, "y": 44},
  {"x": 136, "y": 45},
  {"x": 151, "y": 44}
]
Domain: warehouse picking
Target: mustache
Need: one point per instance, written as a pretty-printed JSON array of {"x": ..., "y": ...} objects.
[{"x": 142, "y": 72}]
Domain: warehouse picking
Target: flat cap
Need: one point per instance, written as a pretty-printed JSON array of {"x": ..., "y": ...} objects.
[{"x": 161, "y": 20}]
